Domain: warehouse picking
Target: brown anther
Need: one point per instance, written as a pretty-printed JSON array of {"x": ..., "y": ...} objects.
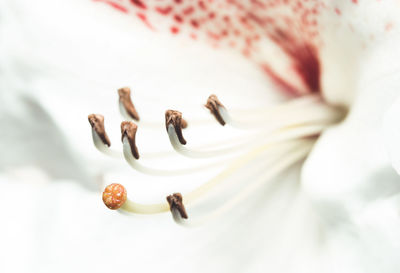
[
  {"x": 175, "y": 203},
  {"x": 125, "y": 98},
  {"x": 129, "y": 129},
  {"x": 213, "y": 105},
  {"x": 114, "y": 196},
  {"x": 174, "y": 118},
  {"x": 97, "y": 123},
  {"x": 184, "y": 124}
]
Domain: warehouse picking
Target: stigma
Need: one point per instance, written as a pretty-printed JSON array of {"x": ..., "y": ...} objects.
[{"x": 277, "y": 138}]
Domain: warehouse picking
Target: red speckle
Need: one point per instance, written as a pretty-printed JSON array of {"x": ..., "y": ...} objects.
[
  {"x": 338, "y": 12},
  {"x": 354, "y": 1},
  {"x": 202, "y": 5},
  {"x": 258, "y": 3},
  {"x": 213, "y": 35},
  {"x": 389, "y": 26},
  {"x": 246, "y": 52},
  {"x": 188, "y": 10},
  {"x": 174, "y": 30},
  {"x": 143, "y": 18},
  {"x": 245, "y": 23},
  {"x": 281, "y": 83},
  {"x": 114, "y": 5},
  {"x": 164, "y": 11},
  {"x": 178, "y": 18},
  {"x": 139, "y": 4},
  {"x": 248, "y": 26},
  {"x": 194, "y": 23},
  {"x": 248, "y": 42}
]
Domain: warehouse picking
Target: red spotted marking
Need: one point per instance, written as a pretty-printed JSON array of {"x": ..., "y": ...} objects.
[
  {"x": 247, "y": 26},
  {"x": 174, "y": 30},
  {"x": 164, "y": 10},
  {"x": 116, "y": 6},
  {"x": 139, "y": 4}
]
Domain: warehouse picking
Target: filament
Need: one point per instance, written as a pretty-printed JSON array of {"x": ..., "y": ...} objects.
[
  {"x": 196, "y": 194},
  {"x": 299, "y": 153},
  {"x": 314, "y": 114},
  {"x": 134, "y": 163},
  {"x": 98, "y": 143}
]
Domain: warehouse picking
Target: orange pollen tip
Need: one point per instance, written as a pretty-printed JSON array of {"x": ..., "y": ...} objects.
[{"x": 114, "y": 196}]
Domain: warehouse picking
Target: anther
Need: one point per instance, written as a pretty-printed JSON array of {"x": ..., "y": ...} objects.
[
  {"x": 97, "y": 123},
  {"x": 129, "y": 129},
  {"x": 114, "y": 196},
  {"x": 214, "y": 105},
  {"x": 184, "y": 124},
  {"x": 126, "y": 102},
  {"x": 176, "y": 204},
  {"x": 174, "y": 118}
]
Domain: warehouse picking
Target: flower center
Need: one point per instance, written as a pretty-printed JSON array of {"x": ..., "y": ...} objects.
[{"x": 276, "y": 139}]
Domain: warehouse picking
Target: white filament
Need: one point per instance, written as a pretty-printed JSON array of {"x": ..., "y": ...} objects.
[
  {"x": 196, "y": 194},
  {"x": 275, "y": 169},
  {"x": 133, "y": 162},
  {"x": 298, "y": 104},
  {"x": 317, "y": 113},
  {"x": 277, "y": 136},
  {"x": 98, "y": 143}
]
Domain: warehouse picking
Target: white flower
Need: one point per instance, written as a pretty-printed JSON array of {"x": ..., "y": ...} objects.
[{"x": 62, "y": 60}]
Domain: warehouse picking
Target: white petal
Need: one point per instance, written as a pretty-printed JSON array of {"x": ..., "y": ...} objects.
[
  {"x": 350, "y": 31},
  {"x": 349, "y": 166},
  {"x": 391, "y": 129}
]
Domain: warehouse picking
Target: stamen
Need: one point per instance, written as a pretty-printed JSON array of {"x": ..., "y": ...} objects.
[
  {"x": 177, "y": 208},
  {"x": 126, "y": 106},
  {"x": 174, "y": 118},
  {"x": 114, "y": 196},
  {"x": 215, "y": 107},
  {"x": 287, "y": 133},
  {"x": 128, "y": 130},
  {"x": 99, "y": 136},
  {"x": 97, "y": 123}
]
